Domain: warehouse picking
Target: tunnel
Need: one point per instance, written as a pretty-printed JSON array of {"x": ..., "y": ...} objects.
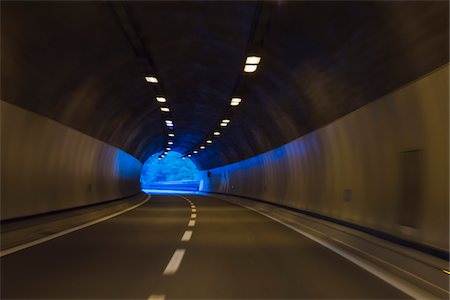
[{"x": 320, "y": 131}]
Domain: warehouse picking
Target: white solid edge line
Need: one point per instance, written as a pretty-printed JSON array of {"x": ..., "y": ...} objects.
[
  {"x": 186, "y": 236},
  {"x": 67, "y": 231},
  {"x": 174, "y": 262},
  {"x": 403, "y": 286},
  {"x": 191, "y": 223},
  {"x": 157, "y": 297},
  {"x": 375, "y": 258}
]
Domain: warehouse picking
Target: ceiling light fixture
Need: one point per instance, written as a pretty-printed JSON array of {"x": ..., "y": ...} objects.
[
  {"x": 209, "y": 142},
  {"x": 165, "y": 109},
  {"x": 223, "y": 124},
  {"x": 168, "y": 148},
  {"x": 235, "y": 101},
  {"x": 195, "y": 151},
  {"x": 250, "y": 68},
  {"x": 170, "y": 142},
  {"x": 189, "y": 155},
  {"x": 151, "y": 79},
  {"x": 161, "y": 99},
  {"x": 171, "y": 134},
  {"x": 253, "y": 60},
  {"x": 251, "y": 63},
  {"x": 202, "y": 147},
  {"x": 226, "y": 121},
  {"x": 216, "y": 133}
]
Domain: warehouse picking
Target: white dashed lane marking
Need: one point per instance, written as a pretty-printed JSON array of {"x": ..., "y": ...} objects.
[
  {"x": 177, "y": 257},
  {"x": 174, "y": 262},
  {"x": 186, "y": 236}
]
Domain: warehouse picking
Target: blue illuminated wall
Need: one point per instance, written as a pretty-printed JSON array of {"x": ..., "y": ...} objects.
[{"x": 353, "y": 169}]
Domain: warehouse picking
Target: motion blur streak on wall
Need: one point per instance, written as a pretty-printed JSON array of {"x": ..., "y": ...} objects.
[
  {"x": 46, "y": 166},
  {"x": 356, "y": 168}
]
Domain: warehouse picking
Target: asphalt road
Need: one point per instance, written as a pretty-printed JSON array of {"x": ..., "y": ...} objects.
[{"x": 232, "y": 253}]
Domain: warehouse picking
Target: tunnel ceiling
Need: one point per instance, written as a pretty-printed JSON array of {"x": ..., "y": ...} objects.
[{"x": 83, "y": 65}]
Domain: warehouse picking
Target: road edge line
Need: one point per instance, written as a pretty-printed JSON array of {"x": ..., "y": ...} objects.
[
  {"x": 67, "y": 231},
  {"x": 392, "y": 280}
]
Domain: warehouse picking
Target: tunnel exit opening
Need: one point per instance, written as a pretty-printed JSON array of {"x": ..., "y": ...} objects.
[{"x": 171, "y": 173}]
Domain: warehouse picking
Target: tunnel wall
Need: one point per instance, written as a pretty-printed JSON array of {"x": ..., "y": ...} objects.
[
  {"x": 383, "y": 166},
  {"x": 46, "y": 166}
]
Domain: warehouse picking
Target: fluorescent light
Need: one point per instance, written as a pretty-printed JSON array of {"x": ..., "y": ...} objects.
[
  {"x": 171, "y": 134},
  {"x": 189, "y": 155},
  {"x": 165, "y": 152},
  {"x": 253, "y": 60},
  {"x": 159, "y": 158},
  {"x": 183, "y": 157},
  {"x": 195, "y": 151},
  {"x": 168, "y": 121},
  {"x": 226, "y": 120},
  {"x": 223, "y": 124},
  {"x": 216, "y": 133},
  {"x": 235, "y": 101},
  {"x": 250, "y": 68},
  {"x": 170, "y": 142},
  {"x": 202, "y": 147},
  {"x": 209, "y": 142},
  {"x": 166, "y": 109},
  {"x": 151, "y": 79},
  {"x": 168, "y": 148},
  {"x": 161, "y": 99}
]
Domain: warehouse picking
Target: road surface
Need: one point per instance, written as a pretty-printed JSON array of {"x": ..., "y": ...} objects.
[{"x": 157, "y": 251}]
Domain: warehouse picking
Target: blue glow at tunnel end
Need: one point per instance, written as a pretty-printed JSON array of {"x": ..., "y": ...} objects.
[{"x": 169, "y": 173}]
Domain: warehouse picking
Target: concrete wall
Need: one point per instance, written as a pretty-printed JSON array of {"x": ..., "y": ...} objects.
[
  {"x": 46, "y": 166},
  {"x": 358, "y": 168}
]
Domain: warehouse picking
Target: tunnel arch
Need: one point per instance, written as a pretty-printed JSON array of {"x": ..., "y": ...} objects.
[{"x": 315, "y": 68}]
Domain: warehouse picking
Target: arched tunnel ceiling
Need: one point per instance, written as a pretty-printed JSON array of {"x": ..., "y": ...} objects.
[{"x": 82, "y": 64}]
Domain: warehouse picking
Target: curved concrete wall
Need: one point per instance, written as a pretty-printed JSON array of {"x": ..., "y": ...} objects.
[
  {"x": 381, "y": 166},
  {"x": 46, "y": 166}
]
